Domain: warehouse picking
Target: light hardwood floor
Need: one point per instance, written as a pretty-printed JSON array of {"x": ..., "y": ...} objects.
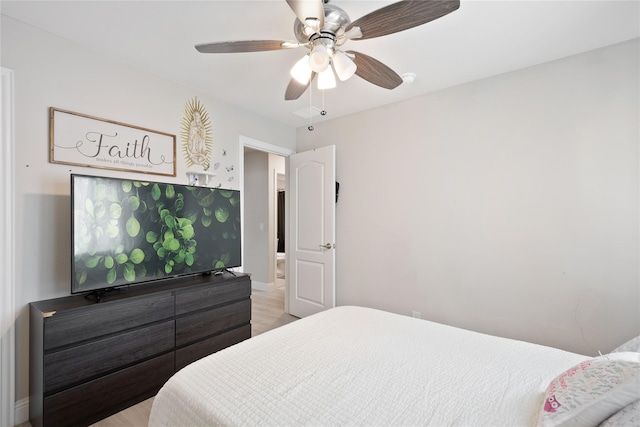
[{"x": 267, "y": 312}]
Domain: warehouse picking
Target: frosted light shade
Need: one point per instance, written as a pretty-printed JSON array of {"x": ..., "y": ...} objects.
[
  {"x": 301, "y": 70},
  {"x": 326, "y": 79},
  {"x": 319, "y": 58},
  {"x": 344, "y": 66}
]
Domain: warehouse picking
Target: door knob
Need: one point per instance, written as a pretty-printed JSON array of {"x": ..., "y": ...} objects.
[{"x": 327, "y": 246}]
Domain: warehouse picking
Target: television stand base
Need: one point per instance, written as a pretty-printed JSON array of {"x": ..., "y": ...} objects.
[
  {"x": 97, "y": 295},
  {"x": 224, "y": 270}
]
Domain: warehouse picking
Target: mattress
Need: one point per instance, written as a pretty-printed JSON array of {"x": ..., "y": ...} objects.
[{"x": 360, "y": 366}]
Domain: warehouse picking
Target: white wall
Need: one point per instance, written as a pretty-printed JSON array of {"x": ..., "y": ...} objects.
[
  {"x": 50, "y": 71},
  {"x": 509, "y": 205},
  {"x": 256, "y": 218}
]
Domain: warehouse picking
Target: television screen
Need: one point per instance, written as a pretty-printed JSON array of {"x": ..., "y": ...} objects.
[{"x": 127, "y": 232}]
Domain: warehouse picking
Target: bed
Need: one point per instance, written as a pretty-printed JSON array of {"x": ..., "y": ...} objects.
[{"x": 360, "y": 366}]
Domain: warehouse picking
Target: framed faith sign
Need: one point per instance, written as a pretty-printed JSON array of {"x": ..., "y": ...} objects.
[{"x": 82, "y": 140}]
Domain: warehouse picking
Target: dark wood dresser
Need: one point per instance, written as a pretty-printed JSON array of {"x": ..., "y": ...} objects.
[{"x": 90, "y": 360}]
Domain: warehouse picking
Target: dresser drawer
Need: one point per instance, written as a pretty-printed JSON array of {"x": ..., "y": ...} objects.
[
  {"x": 187, "y": 302},
  {"x": 72, "y": 365},
  {"x": 91, "y": 401},
  {"x": 206, "y": 323},
  {"x": 104, "y": 318},
  {"x": 196, "y": 351}
]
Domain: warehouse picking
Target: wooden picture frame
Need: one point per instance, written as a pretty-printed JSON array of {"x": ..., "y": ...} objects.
[{"x": 82, "y": 140}]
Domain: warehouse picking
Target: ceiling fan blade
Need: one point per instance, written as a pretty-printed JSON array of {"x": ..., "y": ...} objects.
[
  {"x": 245, "y": 46},
  {"x": 401, "y": 16},
  {"x": 295, "y": 89},
  {"x": 375, "y": 71},
  {"x": 307, "y": 11}
]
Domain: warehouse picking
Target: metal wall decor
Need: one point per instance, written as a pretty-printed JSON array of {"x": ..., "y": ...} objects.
[{"x": 196, "y": 135}]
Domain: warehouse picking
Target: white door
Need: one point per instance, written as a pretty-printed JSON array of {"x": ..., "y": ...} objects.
[{"x": 312, "y": 178}]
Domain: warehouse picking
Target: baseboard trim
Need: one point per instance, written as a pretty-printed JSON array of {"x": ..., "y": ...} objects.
[
  {"x": 261, "y": 286},
  {"x": 22, "y": 411}
]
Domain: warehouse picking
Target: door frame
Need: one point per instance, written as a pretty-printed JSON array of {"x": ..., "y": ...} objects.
[
  {"x": 7, "y": 280},
  {"x": 245, "y": 141}
]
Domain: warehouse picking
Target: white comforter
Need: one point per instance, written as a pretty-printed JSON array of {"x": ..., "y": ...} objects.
[{"x": 359, "y": 366}]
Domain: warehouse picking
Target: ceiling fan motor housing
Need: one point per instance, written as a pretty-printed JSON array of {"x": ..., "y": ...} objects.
[{"x": 336, "y": 21}]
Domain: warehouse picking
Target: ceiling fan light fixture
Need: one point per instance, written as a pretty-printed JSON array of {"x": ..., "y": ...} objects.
[
  {"x": 301, "y": 71},
  {"x": 326, "y": 79},
  {"x": 343, "y": 65},
  {"x": 319, "y": 58}
]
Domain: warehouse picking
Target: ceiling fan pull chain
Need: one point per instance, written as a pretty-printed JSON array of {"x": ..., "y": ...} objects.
[
  {"x": 323, "y": 112},
  {"x": 310, "y": 112}
]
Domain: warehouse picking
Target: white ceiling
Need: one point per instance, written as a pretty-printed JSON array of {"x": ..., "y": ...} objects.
[{"x": 481, "y": 39}]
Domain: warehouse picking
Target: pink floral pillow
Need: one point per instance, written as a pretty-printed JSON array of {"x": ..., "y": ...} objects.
[
  {"x": 631, "y": 345},
  {"x": 592, "y": 391}
]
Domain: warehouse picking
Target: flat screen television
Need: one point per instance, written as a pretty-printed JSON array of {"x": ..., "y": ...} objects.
[{"x": 127, "y": 232}]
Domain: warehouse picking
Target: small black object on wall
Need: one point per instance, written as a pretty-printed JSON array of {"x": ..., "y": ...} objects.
[
  {"x": 337, "y": 190},
  {"x": 280, "y": 225}
]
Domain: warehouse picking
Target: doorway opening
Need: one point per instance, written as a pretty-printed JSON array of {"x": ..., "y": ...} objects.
[
  {"x": 263, "y": 172},
  {"x": 280, "y": 217}
]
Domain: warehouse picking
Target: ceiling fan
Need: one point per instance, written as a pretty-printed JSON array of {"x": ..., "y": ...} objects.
[{"x": 323, "y": 28}]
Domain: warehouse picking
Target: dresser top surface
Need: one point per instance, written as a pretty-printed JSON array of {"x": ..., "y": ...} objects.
[{"x": 160, "y": 287}]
